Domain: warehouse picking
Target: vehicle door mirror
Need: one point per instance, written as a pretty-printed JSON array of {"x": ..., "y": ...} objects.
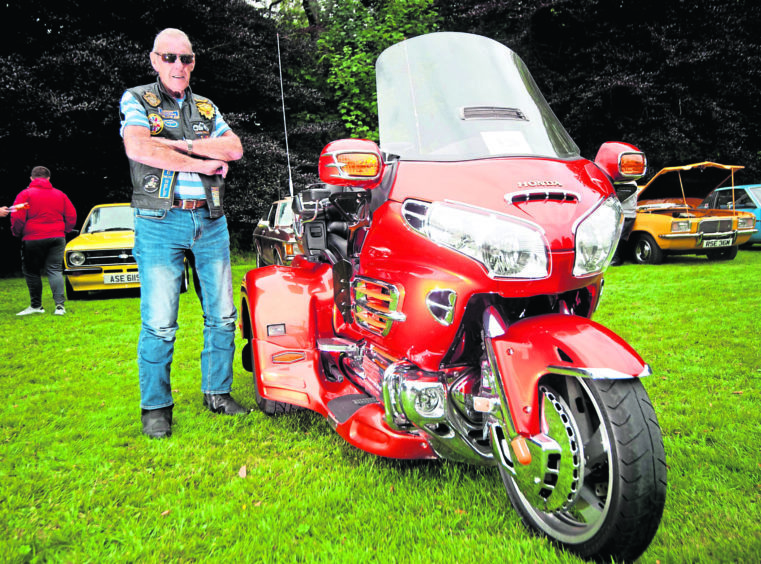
[
  {"x": 351, "y": 162},
  {"x": 622, "y": 162}
]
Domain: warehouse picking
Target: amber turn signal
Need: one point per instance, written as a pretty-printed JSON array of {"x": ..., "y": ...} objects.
[
  {"x": 632, "y": 164},
  {"x": 366, "y": 165},
  {"x": 522, "y": 453}
]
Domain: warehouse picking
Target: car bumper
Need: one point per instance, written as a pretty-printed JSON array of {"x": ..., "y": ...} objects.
[
  {"x": 103, "y": 278},
  {"x": 703, "y": 240}
]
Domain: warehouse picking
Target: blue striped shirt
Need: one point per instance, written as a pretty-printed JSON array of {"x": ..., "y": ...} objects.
[{"x": 189, "y": 185}]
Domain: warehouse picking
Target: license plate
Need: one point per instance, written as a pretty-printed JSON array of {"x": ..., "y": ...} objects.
[
  {"x": 717, "y": 243},
  {"x": 122, "y": 278}
]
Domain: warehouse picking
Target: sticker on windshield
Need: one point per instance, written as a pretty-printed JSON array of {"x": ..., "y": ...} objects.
[{"x": 506, "y": 143}]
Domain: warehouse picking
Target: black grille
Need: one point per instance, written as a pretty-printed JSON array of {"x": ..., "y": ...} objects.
[
  {"x": 716, "y": 225},
  {"x": 108, "y": 257}
]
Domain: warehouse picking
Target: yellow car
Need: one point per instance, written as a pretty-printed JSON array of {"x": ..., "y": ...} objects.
[
  {"x": 100, "y": 257},
  {"x": 669, "y": 221}
]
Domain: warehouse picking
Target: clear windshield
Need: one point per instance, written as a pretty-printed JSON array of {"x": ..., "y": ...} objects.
[
  {"x": 455, "y": 96},
  {"x": 116, "y": 218}
]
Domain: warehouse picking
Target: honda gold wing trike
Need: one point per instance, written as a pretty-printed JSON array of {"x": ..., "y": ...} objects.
[{"x": 441, "y": 305}]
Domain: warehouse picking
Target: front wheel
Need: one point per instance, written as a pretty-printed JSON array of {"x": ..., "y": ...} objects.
[
  {"x": 602, "y": 495},
  {"x": 646, "y": 250}
]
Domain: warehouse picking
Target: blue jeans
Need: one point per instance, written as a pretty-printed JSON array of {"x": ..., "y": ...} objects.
[{"x": 162, "y": 238}]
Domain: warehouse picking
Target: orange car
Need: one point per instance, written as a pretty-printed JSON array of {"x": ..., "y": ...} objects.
[{"x": 669, "y": 221}]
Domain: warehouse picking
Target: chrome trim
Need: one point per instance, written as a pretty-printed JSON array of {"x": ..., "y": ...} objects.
[
  {"x": 698, "y": 235},
  {"x": 558, "y": 194},
  {"x": 443, "y": 313},
  {"x": 597, "y": 373}
]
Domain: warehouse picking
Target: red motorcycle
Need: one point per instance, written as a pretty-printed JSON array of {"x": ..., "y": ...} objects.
[{"x": 441, "y": 307}]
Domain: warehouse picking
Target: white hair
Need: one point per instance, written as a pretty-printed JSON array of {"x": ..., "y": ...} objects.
[{"x": 173, "y": 32}]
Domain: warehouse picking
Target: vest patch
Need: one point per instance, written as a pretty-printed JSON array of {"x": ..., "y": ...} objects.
[
  {"x": 156, "y": 123},
  {"x": 169, "y": 114},
  {"x": 166, "y": 183},
  {"x": 205, "y": 109},
  {"x": 152, "y": 99},
  {"x": 201, "y": 129},
  {"x": 150, "y": 183}
]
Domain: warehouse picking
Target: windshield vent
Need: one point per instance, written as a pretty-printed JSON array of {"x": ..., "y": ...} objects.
[
  {"x": 492, "y": 112},
  {"x": 541, "y": 196}
]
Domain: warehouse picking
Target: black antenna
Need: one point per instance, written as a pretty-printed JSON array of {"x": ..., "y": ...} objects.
[{"x": 285, "y": 127}]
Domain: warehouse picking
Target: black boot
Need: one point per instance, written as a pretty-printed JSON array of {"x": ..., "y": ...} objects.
[
  {"x": 157, "y": 423},
  {"x": 223, "y": 403}
]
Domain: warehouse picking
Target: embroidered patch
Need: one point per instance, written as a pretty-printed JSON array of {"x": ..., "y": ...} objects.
[
  {"x": 169, "y": 114},
  {"x": 166, "y": 183},
  {"x": 215, "y": 196},
  {"x": 205, "y": 109},
  {"x": 150, "y": 183},
  {"x": 156, "y": 123},
  {"x": 152, "y": 99},
  {"x": 201, "y": 130},
  {"x": 172, "y": 124}
]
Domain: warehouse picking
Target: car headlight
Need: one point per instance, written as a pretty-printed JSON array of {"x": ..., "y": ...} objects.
[
  {"x": 746, "y": 222},
  {"x": 76, "y": 258},
  {"x": 506, "y": 246},
  {"x": 597, "y": 236},
  {"x": 680, "y": 226}
]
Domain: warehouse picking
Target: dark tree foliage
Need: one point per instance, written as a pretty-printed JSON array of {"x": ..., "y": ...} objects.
[
  {"x": 681, "y": 79},
  {"x": 65, "y": 64}
]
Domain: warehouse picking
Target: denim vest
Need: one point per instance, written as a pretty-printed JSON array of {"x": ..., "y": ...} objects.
[{"x": 152, "y": 187}]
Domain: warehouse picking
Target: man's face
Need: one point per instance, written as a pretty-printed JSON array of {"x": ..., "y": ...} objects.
[{"x": 175, "y": 76}]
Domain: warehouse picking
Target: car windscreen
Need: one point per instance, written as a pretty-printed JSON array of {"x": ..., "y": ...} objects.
[{"x": 117, "y": 218}]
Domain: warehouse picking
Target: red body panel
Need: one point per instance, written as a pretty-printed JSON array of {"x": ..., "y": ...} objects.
[
  {"x": 531, "y": 346},
  {"x": 305, "y": 311},
  {"x": 484, "y": 183}
]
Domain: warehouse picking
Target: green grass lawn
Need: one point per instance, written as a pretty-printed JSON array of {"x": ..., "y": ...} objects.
[{"x": 79, "y": 482}]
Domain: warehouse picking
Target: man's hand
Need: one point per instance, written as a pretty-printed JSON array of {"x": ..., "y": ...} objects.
[{"x": 212, "y": 167}]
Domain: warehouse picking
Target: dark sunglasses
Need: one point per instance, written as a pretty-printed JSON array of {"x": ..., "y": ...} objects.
[{"x": 172, "y": 57}]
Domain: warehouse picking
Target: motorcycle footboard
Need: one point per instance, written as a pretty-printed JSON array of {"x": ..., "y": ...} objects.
[{"x": 363, "y": 425}]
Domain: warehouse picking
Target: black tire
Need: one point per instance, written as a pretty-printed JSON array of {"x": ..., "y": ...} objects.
[
  {"x": 616, "y": 495},
  {"x": 646, "y": 251},
  {"x": 259, "y": 257},
  {"x": 725, "y": 253},
  {"x": 185, "y": 282},
  {"x": 271, "y": 407}
]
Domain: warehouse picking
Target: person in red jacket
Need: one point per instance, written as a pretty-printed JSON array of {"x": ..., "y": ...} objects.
[{"x": 42, "y": 215}]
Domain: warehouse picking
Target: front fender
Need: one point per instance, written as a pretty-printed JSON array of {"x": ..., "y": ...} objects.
[{"x": 563, "y": 344}]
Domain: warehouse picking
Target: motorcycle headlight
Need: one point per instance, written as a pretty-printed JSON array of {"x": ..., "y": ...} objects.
[
  {"x": 596, "y": 238},
  {"x": 505, "y": 245}
]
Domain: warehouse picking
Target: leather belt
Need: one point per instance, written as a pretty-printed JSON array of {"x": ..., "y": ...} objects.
[{"x": 189, "y": 204}]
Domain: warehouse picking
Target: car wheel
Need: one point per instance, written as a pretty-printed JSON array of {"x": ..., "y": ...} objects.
[
  {"x": 727, "y": 253},
  {"x": 259, "y": 257},
  {"x": 72, "y": 294},
  {"x": 646, "y": 250}
]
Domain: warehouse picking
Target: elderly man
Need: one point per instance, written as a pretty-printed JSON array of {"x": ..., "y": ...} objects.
[{"x": 179, "y": 147}]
